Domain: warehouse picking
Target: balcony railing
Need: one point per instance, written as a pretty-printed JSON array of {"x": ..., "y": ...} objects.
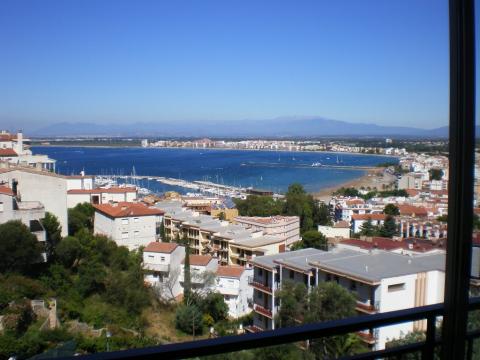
[
  {"x": 258, "y": 339},
  {"x": 261, "y": 310},
  {"x": 365, "y": 307},
  {"x": 259, "y": 285}
]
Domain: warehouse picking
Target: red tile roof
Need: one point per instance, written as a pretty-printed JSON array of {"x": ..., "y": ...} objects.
[
  {"x": 199, "y": 260},
  {"x": 368, "y": 216},
  {"x": 161, "y": 247},
  {"x": 7, "y": 152},
  {"x": 230, "y": 271},
  {"x": 411, "y": 210},
  {"x": 112, "y": 190},
  {"x": 127, "y": 209},
  {"x": 5, "y": 190},
  {"x": 377, "y": 243}
]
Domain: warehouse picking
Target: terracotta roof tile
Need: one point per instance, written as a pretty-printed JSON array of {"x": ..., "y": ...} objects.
[
  {"x": 5, "y": 190},
  {"x": 368, "y": 216},
  {"x": 127, "y": 209},
  {"x": 7, "y": 152},
  {"x": 161, "y": 247},
  {"x": 199, "y": 260},
  {"x": 112, "y": 190},
  {"x": 230, "y": 271}
]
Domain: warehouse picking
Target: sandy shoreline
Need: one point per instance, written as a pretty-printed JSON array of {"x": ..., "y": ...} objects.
[{"x": 373, "y": 179}]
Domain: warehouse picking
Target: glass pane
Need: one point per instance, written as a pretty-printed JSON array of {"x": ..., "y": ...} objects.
[{"x": 193, "y": 170}]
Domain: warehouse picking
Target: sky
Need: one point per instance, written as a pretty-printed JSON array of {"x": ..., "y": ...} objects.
[{"x": 376, "y": 61}]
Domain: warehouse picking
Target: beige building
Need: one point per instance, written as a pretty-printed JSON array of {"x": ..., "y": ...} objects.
[
  {"x": 284, "y": 227},
  {"x": 100, "y": 195}
]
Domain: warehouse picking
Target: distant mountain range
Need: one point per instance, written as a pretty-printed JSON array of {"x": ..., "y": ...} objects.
[{"x": 280, "y": 127}]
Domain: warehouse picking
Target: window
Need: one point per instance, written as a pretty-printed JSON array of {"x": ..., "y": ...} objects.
[
  {"x": 291, "y": 274},
  {"x": 124, "y": 235},
  {"x": 1, "y": 207},
  {"x": 162, "y": 258},
  {"x": 124, "y": 221},
  {"x": 151, "y": 257},
  {"x": 136, "y": 233},
  {"x": 353, "y": 285},
  {"x": 260, "y": 272},
  {"x": 396, "y": 287},
  {"x": 135, "y": 220}
]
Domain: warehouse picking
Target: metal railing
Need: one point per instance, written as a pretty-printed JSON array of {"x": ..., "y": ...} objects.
[{"x": 230, "y": 344}]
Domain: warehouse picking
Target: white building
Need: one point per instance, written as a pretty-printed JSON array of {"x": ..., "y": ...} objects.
[
  {"x": 382, "y": 281},
  {"x": 203, "y": 269},
  {"x": 339, "y": 229},
  {"x": 232, "y": 283},
  {"x": 29, "y": 213},
  {"x": 128, "y": 224},
  {"x": 96, "y": 196},
  {"x": 44, "y": 186},
  {"x": 359, "y": 220},
  {"x": 284, "y": 227},
  {"x": 13, "y": 149},
  {"x": 162, "y": 263}
]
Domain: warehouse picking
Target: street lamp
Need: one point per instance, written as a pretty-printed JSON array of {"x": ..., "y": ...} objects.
[{"x": 108, "y": 336}]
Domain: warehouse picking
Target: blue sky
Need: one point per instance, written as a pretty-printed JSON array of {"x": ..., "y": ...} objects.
[{"x": 378, "y": 61}]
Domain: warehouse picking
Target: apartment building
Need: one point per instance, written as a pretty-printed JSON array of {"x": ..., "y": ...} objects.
[
  {"x": 229, "y": 243},
  {"x": 128, "y": 224},
  {"x": 359, "y": 220},
  {"x": 15, "y": 150},
  {"x": 28, "y": 212},
  {"x": 382, "y": 281},
  {"x": 50, "y": 189},
  {"x": 100, "y": 195},
  {"x": 162, "y": 263},
  {"x": 203, "y": 269},
  {"x": 232, "y": 283},
  {"x": 341, "y": 229},
  {"x": 284, "y": 227}
]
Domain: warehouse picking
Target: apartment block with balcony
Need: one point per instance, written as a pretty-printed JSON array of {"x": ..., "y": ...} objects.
[
  {"x": 232, "y": 283},
  {"x": 202, "y": 269},
  {"x": 242, "y": 251},
  {"x": 381, "y": 281},
  {"x": 29, "y": 213},
  {"x": 128, "y": 224},
  {"x": 162, "y": 264},
  {"x": 284, "y": 227}
]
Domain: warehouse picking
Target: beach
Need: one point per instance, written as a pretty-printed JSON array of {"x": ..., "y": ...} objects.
[{"x": 374, "y": 178}]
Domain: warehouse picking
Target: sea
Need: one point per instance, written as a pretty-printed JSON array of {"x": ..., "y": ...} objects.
[{"x": 260, "y": 169}]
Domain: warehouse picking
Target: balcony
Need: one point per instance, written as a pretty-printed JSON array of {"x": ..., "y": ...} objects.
[
  {"x": 253, "y": 329},
  {"x": 367, "y": 337},
  {"x": 263, "y": 311},
  {"x": 157, "y": 267},
  {"x": 366, "y": 307},
  {"x": 259, "y": 286}
]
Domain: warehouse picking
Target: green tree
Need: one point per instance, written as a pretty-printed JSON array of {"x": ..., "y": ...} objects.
[
  {"x": 282, "y": 352},
  {"x": 19, "y": 248},
  {"x": 391, "y": 209},
  {"x": 435, "y": 174},
  {"x": 187, "y": 280},
  {"x": 255, "y": 205},
  {"x": 368, "y": 229},
  {"x": 222, "y": 216},
  {"x": 322, "y": 216},
  {"x": 214, "y": 305},
  {"x": 299, "y": 203},
  {"x": 389, "y": 227},
  {"x": 54, "y": 234},
  {"x": 293, "y": 300},
  {"x": 188, "y": 318},
  {"x": 70, "y": 251},
  {"x": 80, "y": 217},
  {"x": 163, "y": 236},
  {"x": 330, "y": 301},
  {"x": 312, "y": 239}
]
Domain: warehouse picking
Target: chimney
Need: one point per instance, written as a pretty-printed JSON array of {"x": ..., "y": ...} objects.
[{"x": 19, "y": 147}]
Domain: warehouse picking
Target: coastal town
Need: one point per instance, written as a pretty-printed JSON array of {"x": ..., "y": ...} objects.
[{"x": 382, "y": 245}]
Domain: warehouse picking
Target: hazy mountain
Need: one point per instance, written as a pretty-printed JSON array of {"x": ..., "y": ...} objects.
[{"x": 280, "y": 127}]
